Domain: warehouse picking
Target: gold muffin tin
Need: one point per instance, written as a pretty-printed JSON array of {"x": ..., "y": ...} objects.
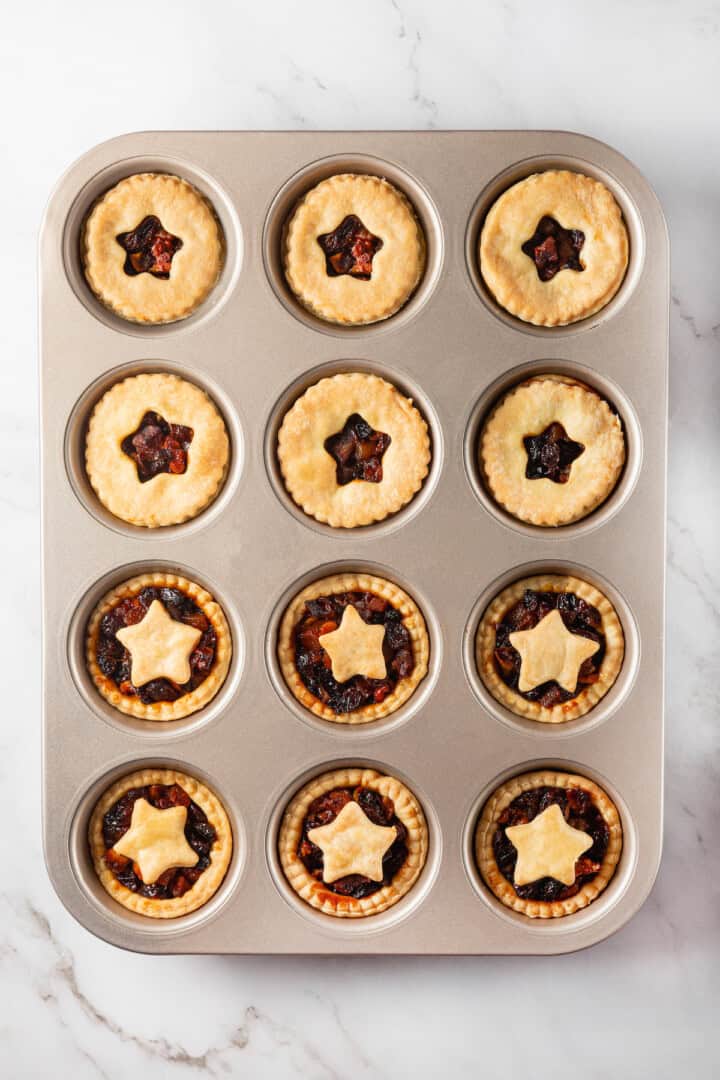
[{"x": 254, "y": 349}]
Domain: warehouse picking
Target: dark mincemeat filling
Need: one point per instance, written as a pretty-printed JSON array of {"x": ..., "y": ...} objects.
[
  {"x": 579, "y": 811},
  {"x": 322, "y": 616},
  {"x": 149, "y": 249},
  {"x": 199, "y": 833},
  {"x": 358, "y": 451},
  {"x": 553, "y": 248},
  {"x": 380, "y": 810},
  {"x": 158, "y": 447},
  {"x": 579, "y": 617},
  {"x": 349, "y": 249},
  {"x": 114, "y": 659},
  {"x": 550, "y": 455}
]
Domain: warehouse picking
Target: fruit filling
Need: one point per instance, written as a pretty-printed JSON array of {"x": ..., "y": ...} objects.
[
  {"x": 579, "y": 618},
  {"x": 579, "y": 811},
  {"x": 349, "y": 249},
  {"x": 380, "y": 810},
  {"x": 358, "y": 451},
  {"x": 550, "y": 455},
  {"x": 322, "y": 616},
  {"x": 199, "y": 833},
  {"x": 114, "y": 659},
  {"x": 553, "y": 248},
  {"x": 158, "y": 447},
  {"x": 149, "y": 249}
]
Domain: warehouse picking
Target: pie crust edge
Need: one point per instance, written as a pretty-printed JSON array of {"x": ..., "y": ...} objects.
[
  {"x": 314, "y": 892},
  {"x": 209, "y": 881},
  {"x": 587, "y": 698},
  {"x": 485, "y": 856},
  {"x": 187, "y": 703},
  {"x": 412, "y": 619}
]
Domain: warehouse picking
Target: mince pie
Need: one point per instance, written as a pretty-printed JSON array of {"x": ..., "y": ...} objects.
[
  {"x": 549, "y": 647},
  {"x": 554, "y": 248},
  {"x": 152, "y": 248},
  {"x": 160, "y": 842},
  {"x": 352, "y": 842},
  {"x": 552, "y": 450},
  {"x": 547, "y": 843},
  {"x": 352, "y": 450},
  {"x": 353, "y": 647},
  {"x": 354, "y": 251},
  {"x": 157, "y": 450},
  {"x": 158, "y": 647}
]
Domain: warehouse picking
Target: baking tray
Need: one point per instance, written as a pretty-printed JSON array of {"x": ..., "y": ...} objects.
[{"x": 254, "y": 349}]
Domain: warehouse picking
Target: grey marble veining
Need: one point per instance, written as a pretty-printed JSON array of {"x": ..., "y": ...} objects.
[{"x": 644, "y": 77}]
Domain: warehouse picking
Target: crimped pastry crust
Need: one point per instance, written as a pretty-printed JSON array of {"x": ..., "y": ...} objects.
[
  {"x": 587, "y": 698},
  {"x": 309, "y": 471},
  {"x": 485, "y": 856},
  {"x": 528, "y": 409},
  {"x": 209, "y": 881},
  {"x": 397, "y": 267},
  {"x": 314, "y": 892},
  {"x": 188, "y": 703},
  {"x": 576, "y": 202},
  {"x": 412, "y": 620},
  {"x": 195, "y": 268},
  {"x": 166, "y": 499}
]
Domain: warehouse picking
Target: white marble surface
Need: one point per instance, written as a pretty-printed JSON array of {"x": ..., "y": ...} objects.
[{"x": 644, "y": 77}]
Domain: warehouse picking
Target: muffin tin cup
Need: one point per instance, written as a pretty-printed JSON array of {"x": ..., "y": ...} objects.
[{"x": 254, "y": 350}]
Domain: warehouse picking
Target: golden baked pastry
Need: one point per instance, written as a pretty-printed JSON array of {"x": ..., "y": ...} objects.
[
  {"x": 157, "y": 450},
  {"x": 354, "y": 252},
  {"x": 353, "y": 647},
  {"x": 554, "y": 248},
  {"x": 353, "y": 450},
  {"x": 152, "y": 248},
  {"x": 160, "y": 843},
  {"x": 353, "y": 842},
  {"x": 547, "y": 843},
  {"x": 552, "y": 450},
  {"x": 549, "y": 647},
  {"x": 158, "y": 647}
]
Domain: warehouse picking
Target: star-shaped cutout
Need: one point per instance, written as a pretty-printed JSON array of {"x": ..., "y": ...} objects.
[
  {"x": 160, "y": 647},
  {"x": 355, "y": 648},
  {"x": 156, "y": 840},
  {"x": 352, "y": 844},
  {"x": 349, "y": 249},
  {"x": 149, "y": 249},
  {"x": 550, "y": 455},
  {"x": 550, "y": 651},
  {"x": 358, "y": 451},
  {"x": 553, "y": 248},
  {"x": 547, "y": 847},
  {"x": 158, "y": 447}
]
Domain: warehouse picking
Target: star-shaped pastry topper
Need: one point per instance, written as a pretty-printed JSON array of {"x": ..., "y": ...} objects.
[
  {"x": 550, "y": 651},
  {"x": 550, "y": 454},
  {"x": 547, "y": 847},
  {"x": 158, "y": 447},
  {"x": 355, "y": 648},
  {"x": 349, "y": 249},
  {"x": 149, "y": 248},
  {"x": 156, "y": 840},
  {"x": 160, "y": 647},
  {"x": 352, "y": 844},
  {"x": 553, "y": 248},
  {"x": 358, "y": 451}
]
